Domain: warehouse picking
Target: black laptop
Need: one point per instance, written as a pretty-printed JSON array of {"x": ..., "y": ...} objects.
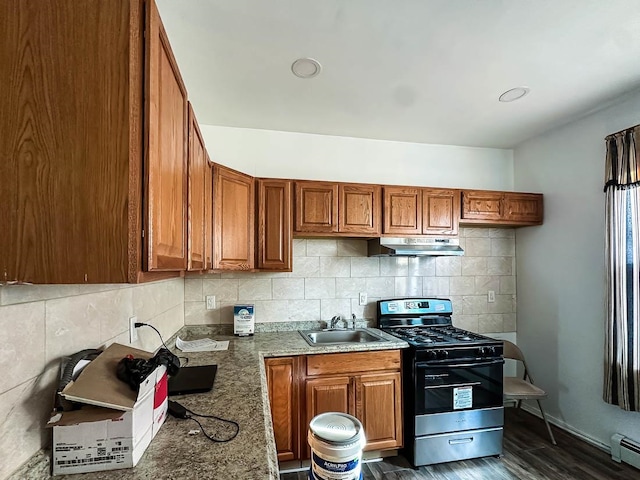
[{"x": 196, "y": 379}]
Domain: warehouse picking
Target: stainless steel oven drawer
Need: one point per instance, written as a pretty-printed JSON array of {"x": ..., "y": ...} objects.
[
  {"x": 460, "y": 420},
  {"x": 449, "y": 447}
]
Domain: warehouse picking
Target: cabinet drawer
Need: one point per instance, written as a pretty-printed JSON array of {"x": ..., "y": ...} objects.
[{"x": 353, "y": 362}]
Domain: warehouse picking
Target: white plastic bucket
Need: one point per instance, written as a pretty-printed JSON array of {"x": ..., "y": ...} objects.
[{"x": 336, "y": 441}]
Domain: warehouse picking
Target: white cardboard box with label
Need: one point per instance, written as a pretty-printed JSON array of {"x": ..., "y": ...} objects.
[{"x": 116, "y": 425}]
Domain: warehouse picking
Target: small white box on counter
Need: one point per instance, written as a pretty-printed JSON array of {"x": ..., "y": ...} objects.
[
  {"x": 243, "y": 320},
  {"x": 116, "y": 425}
]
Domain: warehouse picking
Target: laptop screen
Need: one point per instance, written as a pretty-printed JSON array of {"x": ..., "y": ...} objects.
[{"x": 194, "y": 379}]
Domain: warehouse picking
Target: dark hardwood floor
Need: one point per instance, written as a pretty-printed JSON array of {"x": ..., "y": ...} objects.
[{"x": 528, "y": 455}]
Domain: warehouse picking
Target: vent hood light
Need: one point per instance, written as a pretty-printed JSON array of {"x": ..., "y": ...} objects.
[
  {"x": 514, "y": 94},
  {"x": 413, "y": 247},
  {"x": 306, "y": 68}
]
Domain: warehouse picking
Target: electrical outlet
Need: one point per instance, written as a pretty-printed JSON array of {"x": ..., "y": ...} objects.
[
  {"x": 211, "y": 302},
  {"x": 362, "y": 298},
  {"x": 133, "y": 331},
  {"x": 492, "y": 296}
]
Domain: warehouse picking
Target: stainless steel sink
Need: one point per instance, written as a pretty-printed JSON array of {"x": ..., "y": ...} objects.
[{"x": 340, "y": 337}]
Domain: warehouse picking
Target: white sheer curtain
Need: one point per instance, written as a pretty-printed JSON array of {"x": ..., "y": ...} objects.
[{"x": 622, "y": 336}]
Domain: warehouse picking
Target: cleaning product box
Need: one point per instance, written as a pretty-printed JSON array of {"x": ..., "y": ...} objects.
[
  {"x": 115, "y": 424},
  {"x": 243, "y": 320}
]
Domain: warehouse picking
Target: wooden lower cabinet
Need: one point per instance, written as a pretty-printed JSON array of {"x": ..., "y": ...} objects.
[
  {"x": 378, "y": 405},
  {"x": 283, "y": 384},
  {"x": 366, "y": 385}
]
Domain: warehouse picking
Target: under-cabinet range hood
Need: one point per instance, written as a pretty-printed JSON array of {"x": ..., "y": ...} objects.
[{"x": 413, "y": 247}]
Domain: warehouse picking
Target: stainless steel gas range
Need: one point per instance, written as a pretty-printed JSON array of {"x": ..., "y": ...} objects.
[{"x": 452, "y": 383}]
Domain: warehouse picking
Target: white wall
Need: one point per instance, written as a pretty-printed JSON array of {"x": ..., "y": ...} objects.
[
  {"x": 266, "y": 153},
  {"x": 560, "y": 270}
]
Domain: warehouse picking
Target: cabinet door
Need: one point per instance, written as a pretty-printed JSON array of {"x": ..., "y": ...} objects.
[
  {"x": 482, "y": 205},
  {"x": 326, "y": 394},
  {"x": 166, "y": 153},
  {"x": 283, "y": 385},
  {"x": 316, "y": 205},
  {"x": 197, "y": 196},
  {"x": 379, "y": 408},
  {"x": 359, "y": 211},
  {"x": 234, "y": 200},
  {"x": 440, "y": 211},
  {"x": 523, "y": 208},
  {"x": 274, "y": 225},
  {"x": 208, "y": 213},
  {"x": 71, "y": 141},
  {"x": 402, "y": 211}
]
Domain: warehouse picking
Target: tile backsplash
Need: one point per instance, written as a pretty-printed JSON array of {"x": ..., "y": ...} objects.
[
  {"x": 42, "y": 323},
  {"x": 329, "y": 274}
]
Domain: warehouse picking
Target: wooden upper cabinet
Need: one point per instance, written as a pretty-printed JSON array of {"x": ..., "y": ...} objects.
[
  {"x": 524, "y": 208},
  {"x": 402, "y": 211},
  {"x": 198, "y": 199},
  {"x": 316, "y": 205},
  {"x": 93, "y": 180},
  {"x": 501, "y": 208},
  {"x": 274, "y": 239},
  {"x": 359, "y": 209},
  {"x": 343, "y": 209},
  {"x": 166, "y": 154},
  {"x": 233, "y": 219},
  {"x": 440, "y": 211},
  {"x": 482, "y": 205}
]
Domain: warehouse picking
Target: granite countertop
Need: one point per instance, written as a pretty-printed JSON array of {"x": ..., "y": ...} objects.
[{"x": 240, "y": 394}]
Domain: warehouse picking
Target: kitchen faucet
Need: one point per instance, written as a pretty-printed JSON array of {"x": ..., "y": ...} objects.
[{"x": 346, "y": 324}]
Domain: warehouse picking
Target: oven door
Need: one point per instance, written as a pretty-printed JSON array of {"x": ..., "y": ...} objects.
[{"x": 457, "y": 386}]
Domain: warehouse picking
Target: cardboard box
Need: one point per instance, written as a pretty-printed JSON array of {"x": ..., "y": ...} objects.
[{"x": 116, "y": 425}]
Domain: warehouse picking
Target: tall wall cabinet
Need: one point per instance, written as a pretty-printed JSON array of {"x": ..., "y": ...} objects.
[{"x": 93, "y": 152}]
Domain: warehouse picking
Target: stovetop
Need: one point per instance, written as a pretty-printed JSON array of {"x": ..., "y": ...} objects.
[
  {"x": 438, "y": 336},
  {"x": 425, "y": 323}
]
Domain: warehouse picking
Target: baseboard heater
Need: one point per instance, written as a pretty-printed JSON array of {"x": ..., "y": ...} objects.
[{"x": 624, "y": 449}]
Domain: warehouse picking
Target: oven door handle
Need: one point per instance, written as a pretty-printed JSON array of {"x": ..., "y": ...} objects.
[{"x": 459, "y": 365}]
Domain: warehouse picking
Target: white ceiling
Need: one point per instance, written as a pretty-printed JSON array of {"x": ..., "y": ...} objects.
[{"x": 427, "y": 71}]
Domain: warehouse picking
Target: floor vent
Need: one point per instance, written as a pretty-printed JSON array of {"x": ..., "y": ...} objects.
[{"x": 624, "y": 449}]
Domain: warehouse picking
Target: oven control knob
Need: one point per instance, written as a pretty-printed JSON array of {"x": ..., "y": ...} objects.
[
  {"x": 443, "y": 354},
  {"x": 491, "y": 351},
  {"x": 482, "y": 352},
  {"x": 432, "y": 354}
]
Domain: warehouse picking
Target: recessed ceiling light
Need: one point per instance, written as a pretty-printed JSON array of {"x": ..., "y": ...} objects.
[
  {"x": 514, "y": 94},
  {"x": 306, "y": 68}
]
